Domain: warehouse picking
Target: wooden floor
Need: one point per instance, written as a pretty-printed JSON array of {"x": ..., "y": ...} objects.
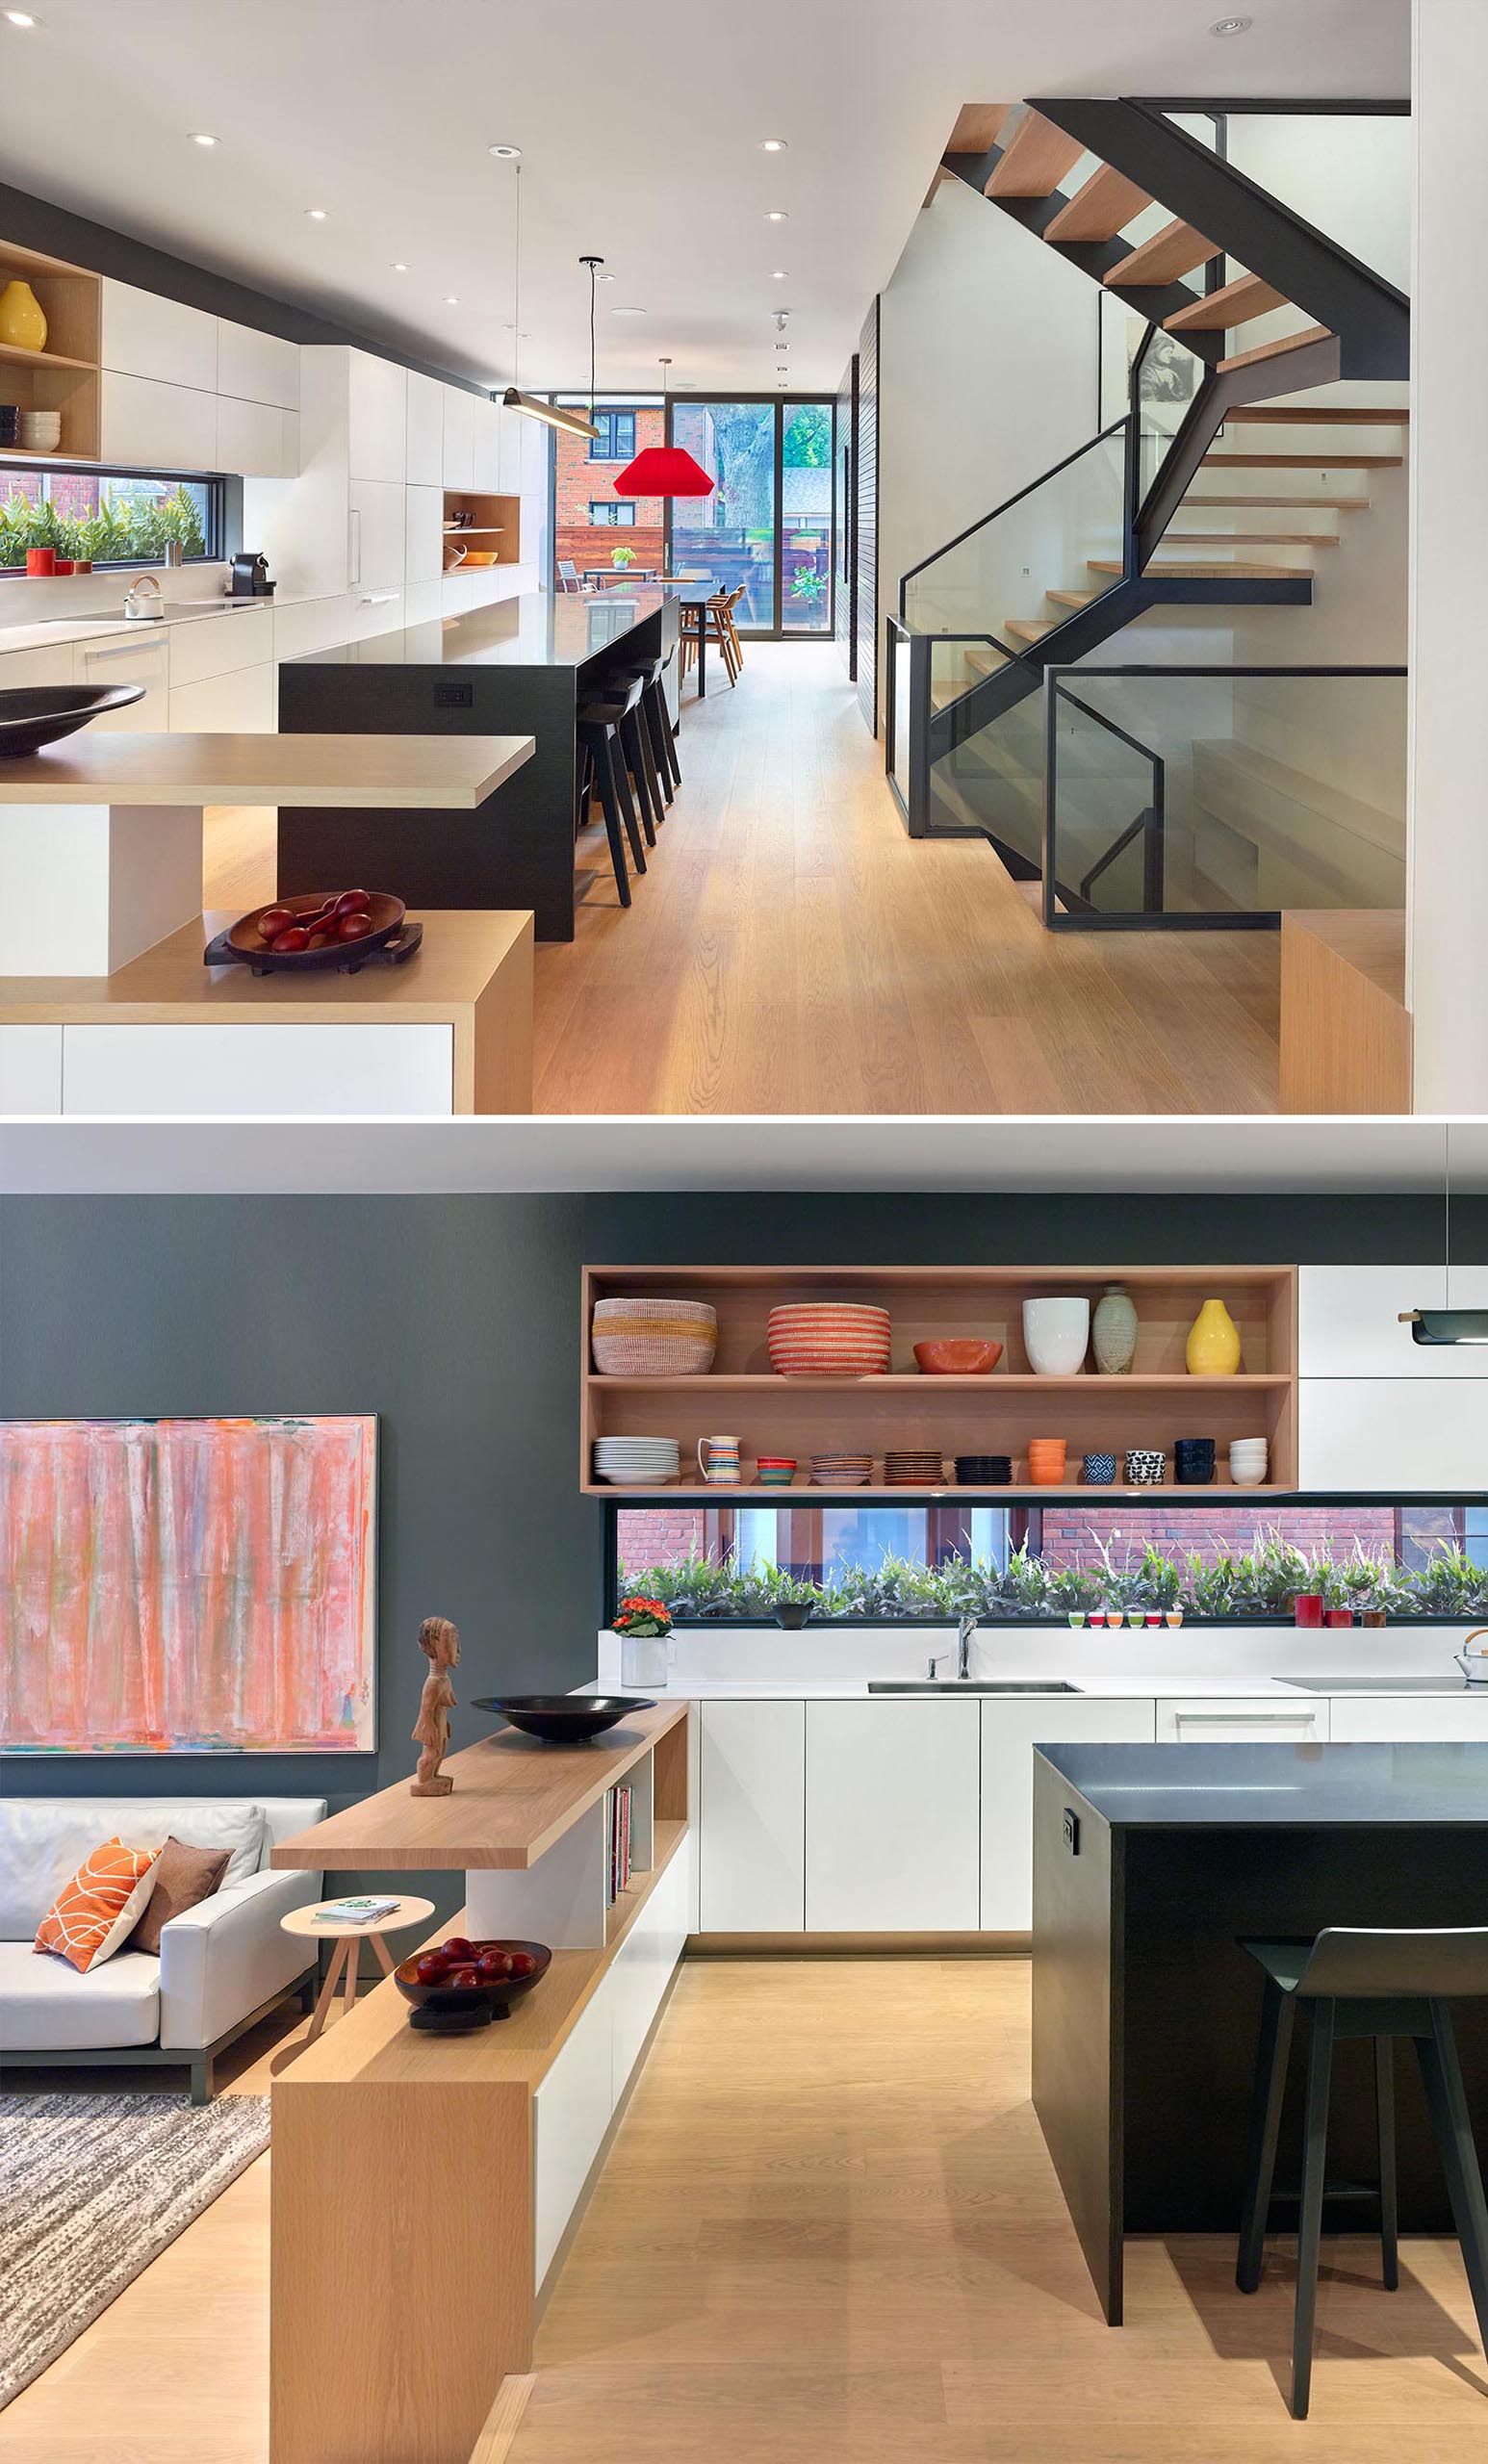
[
  {"x": 790, "y": 950},
  {"x": 828, "y": 2233}
]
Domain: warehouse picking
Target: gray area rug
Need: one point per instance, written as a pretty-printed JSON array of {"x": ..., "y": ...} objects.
[{"x": 91, "y": 2188}]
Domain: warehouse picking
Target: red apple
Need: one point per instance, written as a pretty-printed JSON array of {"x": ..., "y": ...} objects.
[
  {"x": 522, "y": 1964},
  {"x": 465, "y": 1976},
  {"x": 276, "y": 920},
  {"x": 350, "y": 928},
  {"x": 431, "y": 1968},
  {"x": 352, "y": 902},
  {"x": 457, "y": 1948},
  {"x": 296, "y": 938}
]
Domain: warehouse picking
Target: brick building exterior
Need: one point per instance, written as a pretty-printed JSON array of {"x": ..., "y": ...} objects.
[{"x": 583, "y": 479}]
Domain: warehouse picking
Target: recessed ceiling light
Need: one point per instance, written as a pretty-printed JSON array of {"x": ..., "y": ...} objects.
[
  {"x": 452, "y": 299},
  {"x": 399, "y": 266},
  {"x": 627, "y": 312},
  {"x": 314, "y": 213},
  {"x": 1232, "y": 25},
  {"x": 25, "y": 17},
  {"x": 605, "y": 277},
  {"x": 772, "y": 145},
  {"x": 506, "y": 153},
  {"x": 776, "y": 215},
  {"x": 199, "y": 136},
  {"x": 780, "y": 275}
]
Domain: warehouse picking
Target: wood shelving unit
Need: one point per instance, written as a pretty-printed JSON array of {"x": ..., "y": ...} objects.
[
  {"x": 495, "y": 521},
  {"x": 65, "y": 375},
  {"x": 1155, "y": 1404}
]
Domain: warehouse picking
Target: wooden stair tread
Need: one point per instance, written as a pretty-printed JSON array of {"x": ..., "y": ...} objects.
[
  {"x": 1284, "y": 504},
  {"x": 1314, "y": 414},
  {"x": 1074, "y": 598},
  {"x": 983, "y": 661},
  {"x": 1232, "y": 305},
  {"x": 1102, "y": 207},
  {"x": 1212, "y": 572},
  {"x": 1302, "y": 462},
  {"x": 1029, "y": 628},
  {"x": 1281, "y": 349},
  {"x": 1175, "y": 251},
  {"x": 978, "y": 127},
  {"x": 1252, "y": 538},
  {"x": 1036, "y": 158}
]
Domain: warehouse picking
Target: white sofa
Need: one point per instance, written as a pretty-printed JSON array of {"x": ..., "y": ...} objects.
[{"x": 222, "y": 1964}]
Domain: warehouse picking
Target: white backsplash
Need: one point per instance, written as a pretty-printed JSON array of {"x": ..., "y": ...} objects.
[{"x": 24, "y": 601}]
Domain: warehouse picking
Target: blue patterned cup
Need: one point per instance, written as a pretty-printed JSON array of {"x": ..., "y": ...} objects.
[{"x": 1100, "y": 1470}]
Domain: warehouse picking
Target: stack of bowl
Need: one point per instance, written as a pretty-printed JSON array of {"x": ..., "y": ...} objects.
[
  {"x": 40, "y": 431},
  {"x": 827, "y": 1339},
  {"x": 1046, "y": 1456},
  {"x": 1146, "y": 1466},
  {"x": 636, "y": 1462},
  {"x": 983, "y": 1470},
  {"x": 841, "y": 1470},
  {"x": 10, "y": 423},
  {"x": 1194, "y": 1461},
  {"x": 1249, "y": 1457},
  {"x": 1100, "y": 1470},
  {"x": 918, "y": 1470},
  {"x": 638, "y": 1336}
]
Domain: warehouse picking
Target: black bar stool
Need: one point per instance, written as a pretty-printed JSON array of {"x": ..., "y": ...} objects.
[
  {"x": 635, "y": 746},
  {"x": 658, "y": 769},
  {"x": 664, "y": 736},
  {"x": 1384, "y": 1986},
  {"x": 599, "y": 722}
]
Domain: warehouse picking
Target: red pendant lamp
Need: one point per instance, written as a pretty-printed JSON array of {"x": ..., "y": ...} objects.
[{"x": 665, "y": 470}]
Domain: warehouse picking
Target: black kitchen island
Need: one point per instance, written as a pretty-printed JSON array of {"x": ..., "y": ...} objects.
[
  {"x": 1149, "y": 1863},
  {"x": 518, "y": 667}
]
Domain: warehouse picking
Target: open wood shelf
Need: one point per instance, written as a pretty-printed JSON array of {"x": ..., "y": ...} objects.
[
  {"x": 1019, "y": 1491},
  {"x": 63, "y": 377},
  {"x": 491, "y": 516},
  {"x": 1152, "y": 1405}
]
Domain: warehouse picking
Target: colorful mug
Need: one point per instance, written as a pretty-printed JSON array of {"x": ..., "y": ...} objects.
[
  {"x": 41, "y": 561},
  {"x": 775, "y": 1470},
  {"x": 718, "y": 1460}
]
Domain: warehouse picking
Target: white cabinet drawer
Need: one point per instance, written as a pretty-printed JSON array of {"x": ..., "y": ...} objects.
[
  {"x": 302, "y": 626},
  {"x": 459, "y": 437},
  {"x": 457, "y": 592},
  {"x": 375, "y": 611},
  {"x": 218, "y": 644},
  {"x": 425, "y": 463},
  {"x": 892, "y": 1817},
  {"x": 242, "y": 704},
  {"x": 257, "y": 367},
  {"x": 377, "y": 417},
  {"x": 376, "y": 541},
  {"x": 423, "y": 534},
  {"x": 144, "y": 335},
  {"x": 1409, "y": 1719},
  {"x": 19, "y": 669},
  {"x": 258, "y": 1068},
  {"x": 1349, "y": 1322},
  {"x": 1231, "y": 1720},
  {"x": 1393, "y": 1433},
  {"x": 423, "y": 602},
  {"x": 751, "y": 1818},
  {"x": 1010, "y": 1731},
  {"x": 30, "y": 1069},
  {"x": 116, "y": 660},
  {"x": 256, "y": 439},
  {"x": 151, "y": 425},
  {"x": 571, "y": 2111}
]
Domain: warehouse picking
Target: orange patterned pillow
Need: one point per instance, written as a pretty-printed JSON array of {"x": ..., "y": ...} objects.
[{"x": 95, "y": 1913}]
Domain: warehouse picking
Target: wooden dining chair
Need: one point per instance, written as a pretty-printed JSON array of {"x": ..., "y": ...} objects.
[{"x": 718, "y": 616}]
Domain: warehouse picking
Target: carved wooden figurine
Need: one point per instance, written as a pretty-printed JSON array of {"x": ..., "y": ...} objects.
[{"x": 441, "y": 1641}]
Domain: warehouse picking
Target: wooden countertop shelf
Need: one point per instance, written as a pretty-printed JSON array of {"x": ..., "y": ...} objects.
[
  {"x": 513, "y": 1796},
  {"x": 448, "y": 773}
]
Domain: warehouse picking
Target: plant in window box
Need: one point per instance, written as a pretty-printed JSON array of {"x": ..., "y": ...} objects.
[
  {"x": 1074, "y": 1591},
  {"x": 1159, "y": 1581},
  {"x": 643, "y": 1626},
  {"x": 1281, "y": 1572},
  {"x": 1448, "y": 1584},
  {"x": 1368, "y": 1586}
]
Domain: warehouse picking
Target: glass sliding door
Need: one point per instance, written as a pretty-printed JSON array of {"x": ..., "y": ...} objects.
[
  {"x": 766, "y": 529},
  {"x": 599, "y": 539}
]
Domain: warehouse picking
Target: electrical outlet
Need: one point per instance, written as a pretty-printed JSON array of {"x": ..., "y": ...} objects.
[
  {"x": 454, "y": 696},
  {"x": 1072, "y": 1830}
]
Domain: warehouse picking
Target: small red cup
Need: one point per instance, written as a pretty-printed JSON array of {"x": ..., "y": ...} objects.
[
  {"x": 41, "y": 561},
  {"x": 1309, "y": 1608},
  {"x": 1339, "y": 1617},
  {"x": 1154, "y": 1617}
]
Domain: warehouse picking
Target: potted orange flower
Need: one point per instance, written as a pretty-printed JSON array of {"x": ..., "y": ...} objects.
[{"x": 643, "y": 1627}]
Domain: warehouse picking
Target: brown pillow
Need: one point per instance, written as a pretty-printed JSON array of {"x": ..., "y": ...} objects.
[{"x": 183, "y": 1876}]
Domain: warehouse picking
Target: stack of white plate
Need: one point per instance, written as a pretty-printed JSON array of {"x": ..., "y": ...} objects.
[{"x": 636, "y": 1462}]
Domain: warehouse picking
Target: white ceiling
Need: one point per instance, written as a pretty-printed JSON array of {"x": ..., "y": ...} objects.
[
  {"x": 640, "y": 122},
  {"x": 1099, "y": 1155}
]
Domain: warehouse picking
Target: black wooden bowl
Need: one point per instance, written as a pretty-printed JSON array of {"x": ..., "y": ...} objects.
[
  {"x": 39, "y": 714},
  {"x": 245, "y": 940},
  {"x": 563, "y": 1719},
  {"x": 450, "y": 2009}
]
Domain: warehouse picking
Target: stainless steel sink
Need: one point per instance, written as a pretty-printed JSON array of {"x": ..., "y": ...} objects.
[{"x": 972, "y": 1685}]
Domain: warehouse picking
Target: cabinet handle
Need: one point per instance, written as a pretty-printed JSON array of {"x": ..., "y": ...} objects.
[
  {"x": 1270, "y": 1718},
  {"x": 125, "y": 650},
  {"x": 378, "y": 598},
  {"x": 355, "y": 545}
]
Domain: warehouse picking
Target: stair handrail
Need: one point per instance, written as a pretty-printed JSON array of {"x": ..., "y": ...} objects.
[{"x": 1114, "y": 428}]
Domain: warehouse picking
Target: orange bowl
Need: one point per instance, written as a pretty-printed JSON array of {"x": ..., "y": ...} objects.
[{"x": 959, "y": 1356}]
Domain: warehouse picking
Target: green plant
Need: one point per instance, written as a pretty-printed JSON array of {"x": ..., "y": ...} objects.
[
  {"x": 125, "y": 528},
  {"x": 808, "y": 587},
  {"x": 621, "y": 557}
]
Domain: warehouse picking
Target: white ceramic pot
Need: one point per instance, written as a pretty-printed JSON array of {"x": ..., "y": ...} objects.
[{"x": 1055, "y": 1335}]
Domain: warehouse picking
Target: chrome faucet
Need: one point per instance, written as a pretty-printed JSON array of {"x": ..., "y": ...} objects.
[
  {"x": 134, "y": 603},
  {"x": 965, "y": 1628}
]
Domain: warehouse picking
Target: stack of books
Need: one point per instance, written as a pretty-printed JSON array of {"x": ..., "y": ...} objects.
[
  {"x": 359, "y": 1910},
  {"x": 617, "y": 1832}
]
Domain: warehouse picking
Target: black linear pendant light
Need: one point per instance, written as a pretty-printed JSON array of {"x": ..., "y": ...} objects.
[
  {"x": 532, "y": 405},
  {"x": 1447, "y": 1325}
]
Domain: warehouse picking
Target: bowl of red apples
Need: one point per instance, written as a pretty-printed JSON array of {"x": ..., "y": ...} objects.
[
  {"x": 460, "y": 1984},
  {"x": 315, "y": 929}
]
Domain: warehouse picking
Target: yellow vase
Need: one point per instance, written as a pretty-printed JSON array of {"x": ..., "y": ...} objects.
[
  {"x": 22, "y": 318},
  {"x": 1214, "y": 1342}
]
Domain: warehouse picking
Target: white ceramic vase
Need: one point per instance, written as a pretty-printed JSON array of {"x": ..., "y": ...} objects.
[
  {"x": 1114, "y": 1330},
  {"x": 1055, "y": 1335}
]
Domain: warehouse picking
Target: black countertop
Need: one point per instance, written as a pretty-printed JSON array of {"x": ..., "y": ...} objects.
[
  {"x": 540, "y": 629},
  {"x": 1134, "y": 1786}
]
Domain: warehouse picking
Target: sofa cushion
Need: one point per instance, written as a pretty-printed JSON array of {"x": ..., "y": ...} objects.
[
  {"x": 182, "y": 1878},
  {"x": 44, "y": 1839},
  {"x": 94, "y": 1914},
  {"x": 46, "y": 2007}
]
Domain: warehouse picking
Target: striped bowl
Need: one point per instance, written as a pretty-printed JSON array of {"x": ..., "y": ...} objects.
[
  {"x": 827, "y": 1339},
  {"x": 638, "y": 1336}
]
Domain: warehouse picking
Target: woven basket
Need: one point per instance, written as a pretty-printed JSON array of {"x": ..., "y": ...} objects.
[
  {"x": 644, "y": 1338},
  {"x": 827, "y": 1339}
]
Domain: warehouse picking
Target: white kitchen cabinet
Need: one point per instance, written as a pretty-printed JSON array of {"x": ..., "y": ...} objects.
[
  {"x": 423, "y": 602},
  {"x": 256, "y": 439},
  {"x": 1010, "y": 1729},
  {"x": 241, "y": 703},
  {"x": 892, "y": 1817},
  {"x": 571, "y": 2111},
  {"x": 51, "y": 664},
  {"x": 375, "y": 611},
  {"x": 258, "y": 1067},
  {"x": 303, "y": 626},
  {"x": 485, "y": 446},
  {"x": 1393, "y": 1433},
  {"x": 1453, "y": 1719},
  {"x": 1242, "y": 1720},
  {"x": 376, "y": 554},
  {"x": 378, "y": 417},
  {"x": 252, "y": 366},
  {"x": 218, "y": 644},
  {"x": 30, "y": 1069},
  {"x": 425, "y": 432},
  {"x": 143, "y": 334},
  {"x": 457, "y": 592},
  {"x": 151, "y": 425},
  {"x": 459, "y": 454},
  {"x": 511, "y": 425},
  {"x": 423, "y": 542},
  {"x": 1347, "y": 1322},
  {"x": 751, "y": 1818},
  {"x": 141, "y": 658}
]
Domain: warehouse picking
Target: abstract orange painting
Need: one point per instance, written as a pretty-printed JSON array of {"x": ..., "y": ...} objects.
[{"x": 187, "y": 1586}]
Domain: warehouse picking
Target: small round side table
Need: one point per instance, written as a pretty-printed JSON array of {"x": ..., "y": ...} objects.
[{"x": 345, "y": 1965}]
